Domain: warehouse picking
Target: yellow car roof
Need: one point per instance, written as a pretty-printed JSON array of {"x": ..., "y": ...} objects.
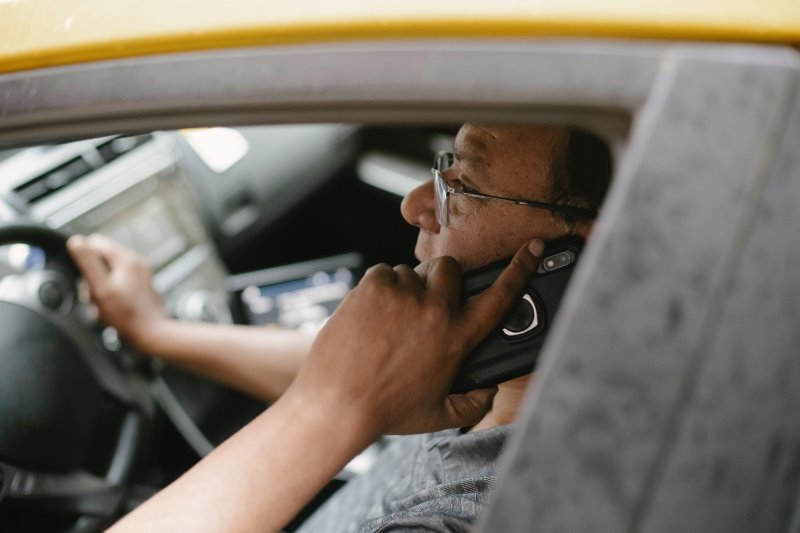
[{"x": 37, "y": 33}]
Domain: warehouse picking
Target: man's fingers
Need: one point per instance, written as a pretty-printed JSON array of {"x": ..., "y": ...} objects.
[
  {"x": 91, "y": 264},
  {"x": 443, "y": 280},
  {"x": 484, "y": 311},
  {"x": 109, "y": 249},
  {"x": 379, "y": 273},
  {"x": 406, "y": 276}
]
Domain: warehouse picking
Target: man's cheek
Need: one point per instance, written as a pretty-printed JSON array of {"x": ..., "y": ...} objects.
[
  {"x": 431, "y": 245},
  {"x": 422, "y": 250}
]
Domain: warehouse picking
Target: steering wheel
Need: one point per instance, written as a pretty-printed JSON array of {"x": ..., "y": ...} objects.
[{"x": 71, "y": 419}]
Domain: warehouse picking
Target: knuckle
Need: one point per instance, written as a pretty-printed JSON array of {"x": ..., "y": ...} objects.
[
  {"x": 373, "y": 282},
  {"x": 376, "y": 270},
  {"x": 94, "y": 239},
  {"x": 369, "y": 288}
]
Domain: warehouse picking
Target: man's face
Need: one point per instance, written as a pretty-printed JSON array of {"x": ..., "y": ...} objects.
[{"x": 511, "y": 161}]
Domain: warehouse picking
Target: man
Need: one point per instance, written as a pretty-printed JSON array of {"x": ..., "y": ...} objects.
[{"x": 436, "y": 481}]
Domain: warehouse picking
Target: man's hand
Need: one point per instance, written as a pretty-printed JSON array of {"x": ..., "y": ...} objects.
[
  {"x": 387, "y": 358},
  {"x": 384, "y": 363},
  {"x": 120, "y": 284}
]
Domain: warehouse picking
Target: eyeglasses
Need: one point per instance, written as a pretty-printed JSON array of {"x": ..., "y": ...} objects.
[{"x": 443, "y": 190}]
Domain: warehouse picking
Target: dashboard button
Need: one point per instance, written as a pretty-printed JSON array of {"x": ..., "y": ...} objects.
[{"x": 51, "y": 295}]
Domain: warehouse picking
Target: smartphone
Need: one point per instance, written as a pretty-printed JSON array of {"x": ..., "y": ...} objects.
[{"x": 512, "y": 348}]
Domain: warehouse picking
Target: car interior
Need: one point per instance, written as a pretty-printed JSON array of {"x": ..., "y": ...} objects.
[{"x": 262, "y": 225}]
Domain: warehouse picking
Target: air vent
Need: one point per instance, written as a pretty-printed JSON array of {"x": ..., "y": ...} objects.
[
  {"x": 53, "y": 180},
  {"x": 110, "y": 150}
]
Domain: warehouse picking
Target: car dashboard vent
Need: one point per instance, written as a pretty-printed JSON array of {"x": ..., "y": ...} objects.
[
  {"x": 113, "y": 148},
  {"x": 55, "y": 179}
]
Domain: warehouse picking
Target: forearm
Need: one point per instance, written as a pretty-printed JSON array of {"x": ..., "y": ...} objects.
[
  {"x": 257, "y": 361},
  {"x": 261, "y": 362},
  {"x": 260, "y": 478}
]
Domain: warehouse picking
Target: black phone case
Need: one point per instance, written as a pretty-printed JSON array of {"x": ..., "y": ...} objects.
[{"x": 512, "y": 349}]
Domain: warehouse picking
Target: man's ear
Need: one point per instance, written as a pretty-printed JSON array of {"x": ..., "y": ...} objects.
[{"x": 587, "y": 229}]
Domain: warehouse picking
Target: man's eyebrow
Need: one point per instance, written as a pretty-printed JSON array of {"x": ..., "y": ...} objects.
[
  {"x": 470, "y": 147},
  {"x": 467, "y": 156}
]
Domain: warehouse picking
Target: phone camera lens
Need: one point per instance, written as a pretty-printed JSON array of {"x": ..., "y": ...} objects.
[{"x": 557, "y": 261}]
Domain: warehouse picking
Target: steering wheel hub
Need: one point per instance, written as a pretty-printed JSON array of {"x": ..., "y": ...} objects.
[{"x": 49, "y": 400}]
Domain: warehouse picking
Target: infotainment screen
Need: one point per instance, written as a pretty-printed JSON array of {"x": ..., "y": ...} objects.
[{"x": 299, "y": 296}]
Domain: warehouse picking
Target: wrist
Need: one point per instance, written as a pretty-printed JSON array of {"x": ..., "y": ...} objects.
[
  {"x": 151, "y": 336},
  {"x": 346, "y": 430}
]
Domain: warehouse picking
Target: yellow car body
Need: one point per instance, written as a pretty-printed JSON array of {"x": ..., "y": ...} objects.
[{"x": 42, "y": 34}]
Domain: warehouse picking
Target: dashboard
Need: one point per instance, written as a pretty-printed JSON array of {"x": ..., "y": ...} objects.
[{"x": 132, "y": 189}]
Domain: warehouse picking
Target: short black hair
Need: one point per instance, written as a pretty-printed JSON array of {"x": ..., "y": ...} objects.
[{"x": 581, "y": 173}]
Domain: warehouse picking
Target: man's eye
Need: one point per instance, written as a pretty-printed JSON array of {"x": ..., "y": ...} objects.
[
  {"x": 463, "y": 188},
  {"x": 457, "y": 184}
]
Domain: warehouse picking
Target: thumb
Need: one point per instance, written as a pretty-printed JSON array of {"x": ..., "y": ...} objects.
[{"x": 468, "y": 409}]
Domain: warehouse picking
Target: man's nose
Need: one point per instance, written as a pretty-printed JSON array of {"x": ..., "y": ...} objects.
[{"x": 419, "y": 208}]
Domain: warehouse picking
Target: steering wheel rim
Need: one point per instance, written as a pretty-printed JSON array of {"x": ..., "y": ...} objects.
[{"x": 37, "y": 481}]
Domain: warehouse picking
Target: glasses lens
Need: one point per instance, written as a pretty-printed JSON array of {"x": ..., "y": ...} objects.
[
  {"x": 440, "y": 191},
  {"x": 442, "y": 161}
]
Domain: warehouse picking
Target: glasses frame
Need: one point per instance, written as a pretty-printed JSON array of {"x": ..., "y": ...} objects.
[{"x": 444, "y": 190}]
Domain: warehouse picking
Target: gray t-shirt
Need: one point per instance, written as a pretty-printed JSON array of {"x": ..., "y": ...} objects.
[{"x": 432, "y": 482}]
